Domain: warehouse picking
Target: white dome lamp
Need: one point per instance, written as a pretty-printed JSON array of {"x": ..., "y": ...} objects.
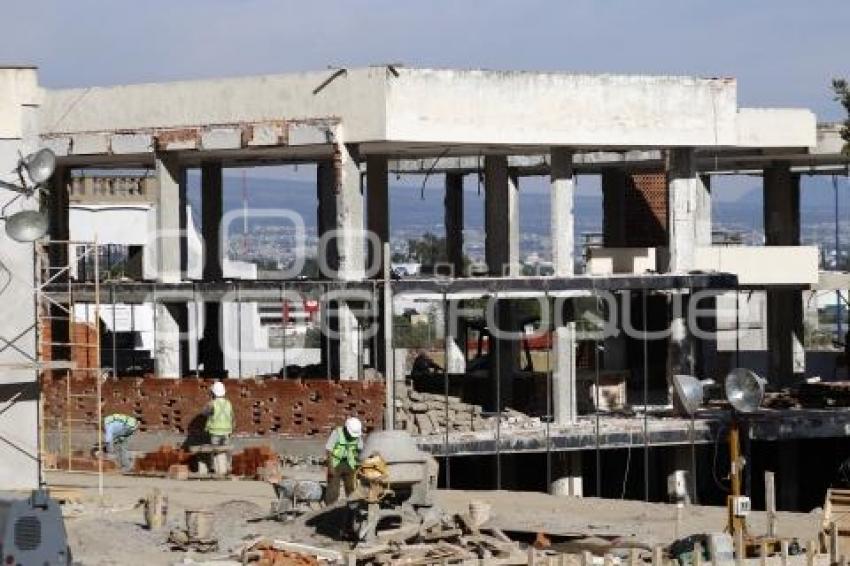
[{"x": 33, "y": 171}]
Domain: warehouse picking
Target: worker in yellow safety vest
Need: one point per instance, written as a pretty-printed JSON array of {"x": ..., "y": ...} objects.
[
  {"x": 117, "y": 430},
  {"x": 219, "y": 413},
  {"x": 219, "y": 427},
  {"x": 343, "y": 453}
]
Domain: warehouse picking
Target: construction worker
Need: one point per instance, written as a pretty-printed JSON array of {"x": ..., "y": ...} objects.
[
  {"x": 117, "y": 430},
  {"x": 219, "y": 413},
  {"x": 343, "y": 453}
]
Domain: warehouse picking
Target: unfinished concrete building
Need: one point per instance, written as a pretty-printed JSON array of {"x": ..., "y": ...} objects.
[{"x": 656, "y": 141}]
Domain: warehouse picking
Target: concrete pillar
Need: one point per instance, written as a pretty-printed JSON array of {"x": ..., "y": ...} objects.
[
  {"x": 703, "y": 211},
  {"x": 682, "y": 182},
  {"x": 211, "y": 354},
  {"x": 351, "y": 253},
  {"x": 325, "y": 222},
  {"x": 501, "y": 217},
  {"x": 786, "y": 355},
  {"x": 567, "y": 474},
  {"x": 563, "y": 245},
  {"x": 171, "y": 318},
  {"x": 453, "y": 204},
  {"x": 614, "y": 208},
  {"x": 378, "y": 221},
  {"x": 682, "y": 186},
  {"x": 59, "y": 230},
  {"x": 453, "y": 216},
  {"x": 501, "y": 248}
]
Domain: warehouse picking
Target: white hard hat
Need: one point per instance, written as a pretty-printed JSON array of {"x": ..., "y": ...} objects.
[
  {"x": 218, "y": 389},
  {"x": 354, "y": 427}
]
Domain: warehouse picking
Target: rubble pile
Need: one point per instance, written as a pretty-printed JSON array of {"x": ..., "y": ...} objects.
[
  {"x": 428, "y": 413},
  {"x": 454, "y": 538}
]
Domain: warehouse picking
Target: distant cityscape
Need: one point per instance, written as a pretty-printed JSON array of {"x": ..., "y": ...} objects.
[{"x": 272, "y": 243}]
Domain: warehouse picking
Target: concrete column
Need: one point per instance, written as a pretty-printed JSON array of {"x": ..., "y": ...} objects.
[
  {"x": 682, "y": 185},
  {"x": 501, "y": 217},
  {"x": 211, "y": 355},
  {"x": 501, "y": 225},
  {"x": 453, "y": 204},
  {"x": 453, "y": 215},
  {"x": 58, "y": 212},
  {"x": 703, "y": 211},
  {"x": 378, "y": 208},
  {"x": 786, "y": 355},
  {"x": 614, "y": 208},
  {"x": 567, "y": 474},
  {"x": 350, "y": 248},
  {"x": 563, "y": 246},
  {"x": 682, "y": 210},
  {"x": 170, "y": 318},
  {"x": 378, "y": 221}
]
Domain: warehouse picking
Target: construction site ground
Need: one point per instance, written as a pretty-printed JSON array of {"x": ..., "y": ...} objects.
[{"x": 110, "y": 530}]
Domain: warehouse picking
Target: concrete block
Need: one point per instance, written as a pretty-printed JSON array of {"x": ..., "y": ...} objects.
[
  {"x": 309, "y": 134},
  {"x": 762, "y": 265},
  {"x": 268, "y": 133},
  {"x": 608, "y": 261},
  {"x": 221, "y": 138},
  {"x": 60, "y": 145},
  {"x": 131, "y": 143},
  {"x": 89, "y": 144}
]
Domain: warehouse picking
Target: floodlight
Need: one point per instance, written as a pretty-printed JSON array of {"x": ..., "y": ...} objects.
[
  {"x": 744, "y": 390},
  {"x": 688, "y": 394},
  {"x": 39, "y": 165},
  {"x": 27, "y": 225}
]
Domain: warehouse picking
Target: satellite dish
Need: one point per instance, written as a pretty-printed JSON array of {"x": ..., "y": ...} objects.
[
  {"x": 39, "y": 165},
  {"x": 26, "y": 226},
  {"x": 744, "y": 390},
  {"x": 688, "y": 394}
]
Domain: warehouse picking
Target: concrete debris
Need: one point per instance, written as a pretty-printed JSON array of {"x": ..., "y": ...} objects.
[
  {"x": 428, "y": 413},
  {"x": 453, "y": 538}
]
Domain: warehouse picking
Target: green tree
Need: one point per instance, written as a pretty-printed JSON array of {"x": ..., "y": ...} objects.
[{"x": 842, "y": 95}]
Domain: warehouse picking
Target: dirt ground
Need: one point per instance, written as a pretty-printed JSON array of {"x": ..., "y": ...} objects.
[{"x": 110, "y": 530}]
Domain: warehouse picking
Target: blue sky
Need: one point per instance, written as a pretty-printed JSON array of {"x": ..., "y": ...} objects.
[{"x": 782, "y": 52}]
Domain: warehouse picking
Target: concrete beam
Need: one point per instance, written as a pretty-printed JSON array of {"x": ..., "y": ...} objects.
[{"x": 426, "y": 106}]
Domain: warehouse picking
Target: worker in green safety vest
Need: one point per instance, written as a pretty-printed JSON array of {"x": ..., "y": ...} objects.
[
  {"x": 219, "y": 426},
  {"x": 219, "y": 413},
  {"x": 343, "y": 454},
  {"x": 117, "y": 430}
]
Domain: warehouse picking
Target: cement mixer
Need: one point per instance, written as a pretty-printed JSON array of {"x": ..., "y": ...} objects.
[{"x": 397, "y": 481}]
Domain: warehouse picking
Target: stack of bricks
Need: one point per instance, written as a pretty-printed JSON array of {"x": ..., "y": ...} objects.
[
  {"x": 162, "y": 459},
  {"x": 292, "y": 408},
  {"x": 250, "y": 461}
]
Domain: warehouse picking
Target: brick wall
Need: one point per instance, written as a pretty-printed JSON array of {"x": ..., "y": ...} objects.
[{"x": 262, "y": 407}]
